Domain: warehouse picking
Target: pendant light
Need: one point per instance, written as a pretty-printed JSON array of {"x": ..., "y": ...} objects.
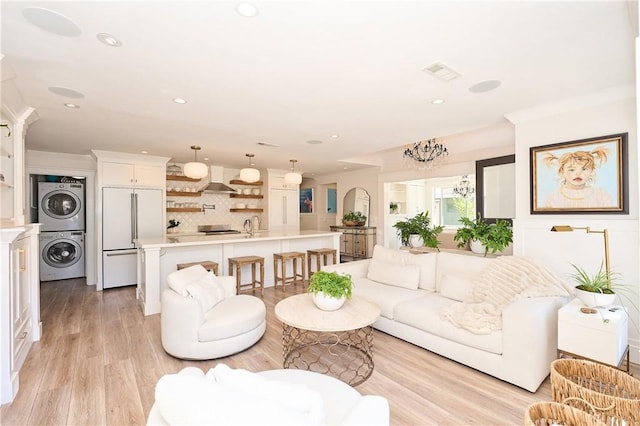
[
  {"x": 293, "y": 178},
  {"x": 250, "y": 174},
  {"x": 195, "y": 170}
]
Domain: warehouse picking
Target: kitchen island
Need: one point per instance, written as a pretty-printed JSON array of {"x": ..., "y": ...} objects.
[{"x": 158, "y": 257}]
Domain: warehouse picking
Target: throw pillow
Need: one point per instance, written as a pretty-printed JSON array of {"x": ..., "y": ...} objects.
[
  {"x": 398, "y": 275},
  {"x": 179, "y": 280},
  {"x": 455, "y": 287},
  {"x": 206, "y": 291}
]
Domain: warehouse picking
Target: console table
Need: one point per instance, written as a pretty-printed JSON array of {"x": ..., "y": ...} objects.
[{"x": 356, "y": 242}]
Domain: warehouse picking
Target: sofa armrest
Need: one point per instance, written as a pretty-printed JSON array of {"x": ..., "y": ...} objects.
[
  {"x": 357, "y": 269},
  {"x": 180, "y": 319},
  {"x": 371, "y": 410}
]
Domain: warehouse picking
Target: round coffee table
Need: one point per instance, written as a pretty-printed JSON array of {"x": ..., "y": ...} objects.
[{"x": 337, "y": 343}]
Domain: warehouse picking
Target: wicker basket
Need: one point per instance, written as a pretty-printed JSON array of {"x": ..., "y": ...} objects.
[
  {"x": 589, "y": 385},
  {"x": 550, "y": 413}
]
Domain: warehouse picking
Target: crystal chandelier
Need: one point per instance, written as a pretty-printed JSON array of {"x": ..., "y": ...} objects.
[
  {"x": 425, "y": 154},
  {"x": 464, "y": 188}
]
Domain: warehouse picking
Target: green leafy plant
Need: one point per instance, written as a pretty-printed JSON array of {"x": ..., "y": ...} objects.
[
  {"x": 495, "y": 237},
  {"x": 419, "y": 224},
  {"x": 393, "y": 207},
  {"x": 355, "y": 218},
  {"x": 331, "y": 283},
  {"x": 173, "y": 223}
]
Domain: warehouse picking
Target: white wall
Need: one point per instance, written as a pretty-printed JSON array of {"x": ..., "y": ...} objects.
[{"x": 532, "y": 236}]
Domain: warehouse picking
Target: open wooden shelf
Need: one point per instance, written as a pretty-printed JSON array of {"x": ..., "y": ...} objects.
[
  {"x": 241, "y": 182},
  {"x": 245, "y": 196},
  {"x": 182, "y": 178},
  {"x": 246, "y": 210},
  {"x": 184, "y": 209},
  {"x": 183, "y": 194}
]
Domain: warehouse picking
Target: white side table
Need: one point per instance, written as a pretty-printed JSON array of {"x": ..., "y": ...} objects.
[{"x": 601, "y": 336}]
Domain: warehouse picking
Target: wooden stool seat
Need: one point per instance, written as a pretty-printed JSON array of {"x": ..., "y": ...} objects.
[
  {"x": 236, "y": 264},
  {"x": 207, "y": 264},
  {"x": 280, "y": 274},
  {"x": 321, "y": 254}
]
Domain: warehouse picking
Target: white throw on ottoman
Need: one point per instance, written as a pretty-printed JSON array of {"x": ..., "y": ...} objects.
[
  {"x": 276, "y": 397},
  {"x": 203, "y": 318}
]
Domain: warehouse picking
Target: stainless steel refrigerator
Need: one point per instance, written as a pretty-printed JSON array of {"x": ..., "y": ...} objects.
[{"x": 127, "y": 214}]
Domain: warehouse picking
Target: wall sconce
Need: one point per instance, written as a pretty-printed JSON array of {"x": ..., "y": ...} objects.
[
  {"x": 194, "y": 169},
  {"x": 293, "y": 178},
  {"x": 249, "y": 174},
  {"x": 605, "y": 233}
]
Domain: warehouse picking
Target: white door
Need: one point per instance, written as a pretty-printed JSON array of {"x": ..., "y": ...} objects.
[
  {"x": 117, "y": 220},
  {"x": 150, "y": 222}
]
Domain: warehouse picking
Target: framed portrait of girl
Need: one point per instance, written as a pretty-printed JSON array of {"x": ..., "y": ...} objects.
[{"x": 583, "y": 176}]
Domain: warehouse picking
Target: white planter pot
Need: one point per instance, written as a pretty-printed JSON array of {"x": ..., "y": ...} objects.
[
  {"x": 327, "y": 303},
  {"x": 416, "y": 241},
  {"x": 477, "y": 247},
  {"x": 593, "y": 300}
]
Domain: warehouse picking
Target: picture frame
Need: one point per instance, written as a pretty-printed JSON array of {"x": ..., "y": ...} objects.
[
  {"x": 306, "y": 200},
  {"x": 587, "y": 176}
]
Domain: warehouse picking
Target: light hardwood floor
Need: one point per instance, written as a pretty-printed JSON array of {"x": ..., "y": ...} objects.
[{"x": 100, "y": 358}]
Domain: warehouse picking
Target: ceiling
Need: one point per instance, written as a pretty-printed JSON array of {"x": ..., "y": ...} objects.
[{"x": 302, "y": 71}]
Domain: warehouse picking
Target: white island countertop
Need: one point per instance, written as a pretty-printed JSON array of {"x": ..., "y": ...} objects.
[
  {"x": 198, "y": 239},
  {"x": 158, "y": 257}
]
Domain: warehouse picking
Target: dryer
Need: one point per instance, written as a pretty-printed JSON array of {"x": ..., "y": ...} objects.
[
  {"x": 61, "y": 206},
  {"x": 61, "y": 255}
]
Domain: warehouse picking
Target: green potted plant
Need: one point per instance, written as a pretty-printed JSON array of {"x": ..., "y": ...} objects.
[
  {"x": 354, "y": 219},
  {"x": 417, "y": 230},
  {"x": 330, "y": 289},
  {"x": 484, "y": 237},
  {"x": 595, "y": 289},
  {"x": 173, "y": 225},
  {"x": 393, "y": 207}
]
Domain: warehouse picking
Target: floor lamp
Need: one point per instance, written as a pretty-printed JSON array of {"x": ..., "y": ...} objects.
[{"x": 567, "y": 228}]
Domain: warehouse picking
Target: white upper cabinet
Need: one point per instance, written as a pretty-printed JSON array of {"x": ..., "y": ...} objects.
[{"x": 127, "y": 174}]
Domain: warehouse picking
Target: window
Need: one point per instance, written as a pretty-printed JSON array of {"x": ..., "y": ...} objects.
[{"x": 449, "y": 208}]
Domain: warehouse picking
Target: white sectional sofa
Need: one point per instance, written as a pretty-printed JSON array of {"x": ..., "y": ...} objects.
[{"x": 418, "y": 292}]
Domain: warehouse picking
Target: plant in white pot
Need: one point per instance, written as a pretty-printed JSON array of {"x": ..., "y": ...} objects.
[
  {"x": 595, "y": 289},
  {"x": 330, "y": 289},
  {"x": 484, "y": 237},
  {"x": 417, "y": 231}
]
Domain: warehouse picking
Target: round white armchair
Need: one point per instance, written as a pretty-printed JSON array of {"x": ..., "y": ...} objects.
[{"x": 202, "y": 317}]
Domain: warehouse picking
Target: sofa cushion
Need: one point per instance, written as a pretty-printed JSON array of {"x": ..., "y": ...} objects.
[
  {"x": 232, "y": 317},
  {"x": 455, "y": 287},
  {"x": 395, "y": 274},
  {"x": 385, "y": 296},
  {"x": 426, "y": 262},
  {"x": 207, "y": 291},
  {"x": 424, "y": 313},
  {"x": 461, "y": 265},
  {"x": 179, "y": 280}
]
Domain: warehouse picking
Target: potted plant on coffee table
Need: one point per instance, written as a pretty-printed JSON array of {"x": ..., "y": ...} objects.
[
  {"x": 484, "y": 237},
  {"x": 329, "y": 289},
  {"x": 417, "y": 231}
]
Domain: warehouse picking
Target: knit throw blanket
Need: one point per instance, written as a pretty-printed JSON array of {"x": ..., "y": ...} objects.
[{"x": 505, "y": 280}]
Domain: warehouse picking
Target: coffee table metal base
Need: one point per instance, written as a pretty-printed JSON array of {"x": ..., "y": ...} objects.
[{"x": 345, "y": 355}]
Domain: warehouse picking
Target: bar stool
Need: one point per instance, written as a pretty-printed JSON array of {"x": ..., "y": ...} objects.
[
  {"x": 320, "y": 254},
  {"x": 236, "y": 263},
  {"x": 207, "y": 264},
  {"x": 294, "y": 279}
]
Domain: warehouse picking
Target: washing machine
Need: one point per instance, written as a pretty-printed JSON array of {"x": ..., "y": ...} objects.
[
  {"x": 61, "y": 206},
  {"x": 61, "y": 255}
]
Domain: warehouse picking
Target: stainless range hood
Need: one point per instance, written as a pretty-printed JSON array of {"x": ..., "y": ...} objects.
[{"x": 216, "y": 186}]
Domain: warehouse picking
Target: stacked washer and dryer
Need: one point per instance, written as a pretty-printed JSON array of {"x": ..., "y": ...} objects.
[{"x": 61, "y": 211}]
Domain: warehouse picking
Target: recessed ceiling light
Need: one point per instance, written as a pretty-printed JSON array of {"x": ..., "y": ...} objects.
[
  {"x": 335, "y": 136},
  {"x": 247, "y": 10},
  {"x": 485, "y": 86},
  {"x": 65, "y": 91},
  {"x": 108, "y": 39},
  {"x": 144, "y": 152},
  {"x": 179, "y": 101},
  {"x": 437, "y": 101},
  {"x": 70, "y": 105},
  {"x": 314, "y": 142},
  {"x": 51, "y": 21}
]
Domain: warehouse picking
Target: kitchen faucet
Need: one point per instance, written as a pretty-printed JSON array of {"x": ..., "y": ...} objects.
[
  {"x": 248, "y": 226},
  {"x": 254, "y": 219}
]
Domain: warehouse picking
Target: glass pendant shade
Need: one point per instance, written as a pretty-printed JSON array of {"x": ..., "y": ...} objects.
[
  {"x": 249, "y": 174},
  {"x": 293, "y": 178},
  {"x": 195, "y": 169}
]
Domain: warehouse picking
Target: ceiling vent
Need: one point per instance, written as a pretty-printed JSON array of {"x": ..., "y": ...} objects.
[{"x": 442, "y": 72}]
